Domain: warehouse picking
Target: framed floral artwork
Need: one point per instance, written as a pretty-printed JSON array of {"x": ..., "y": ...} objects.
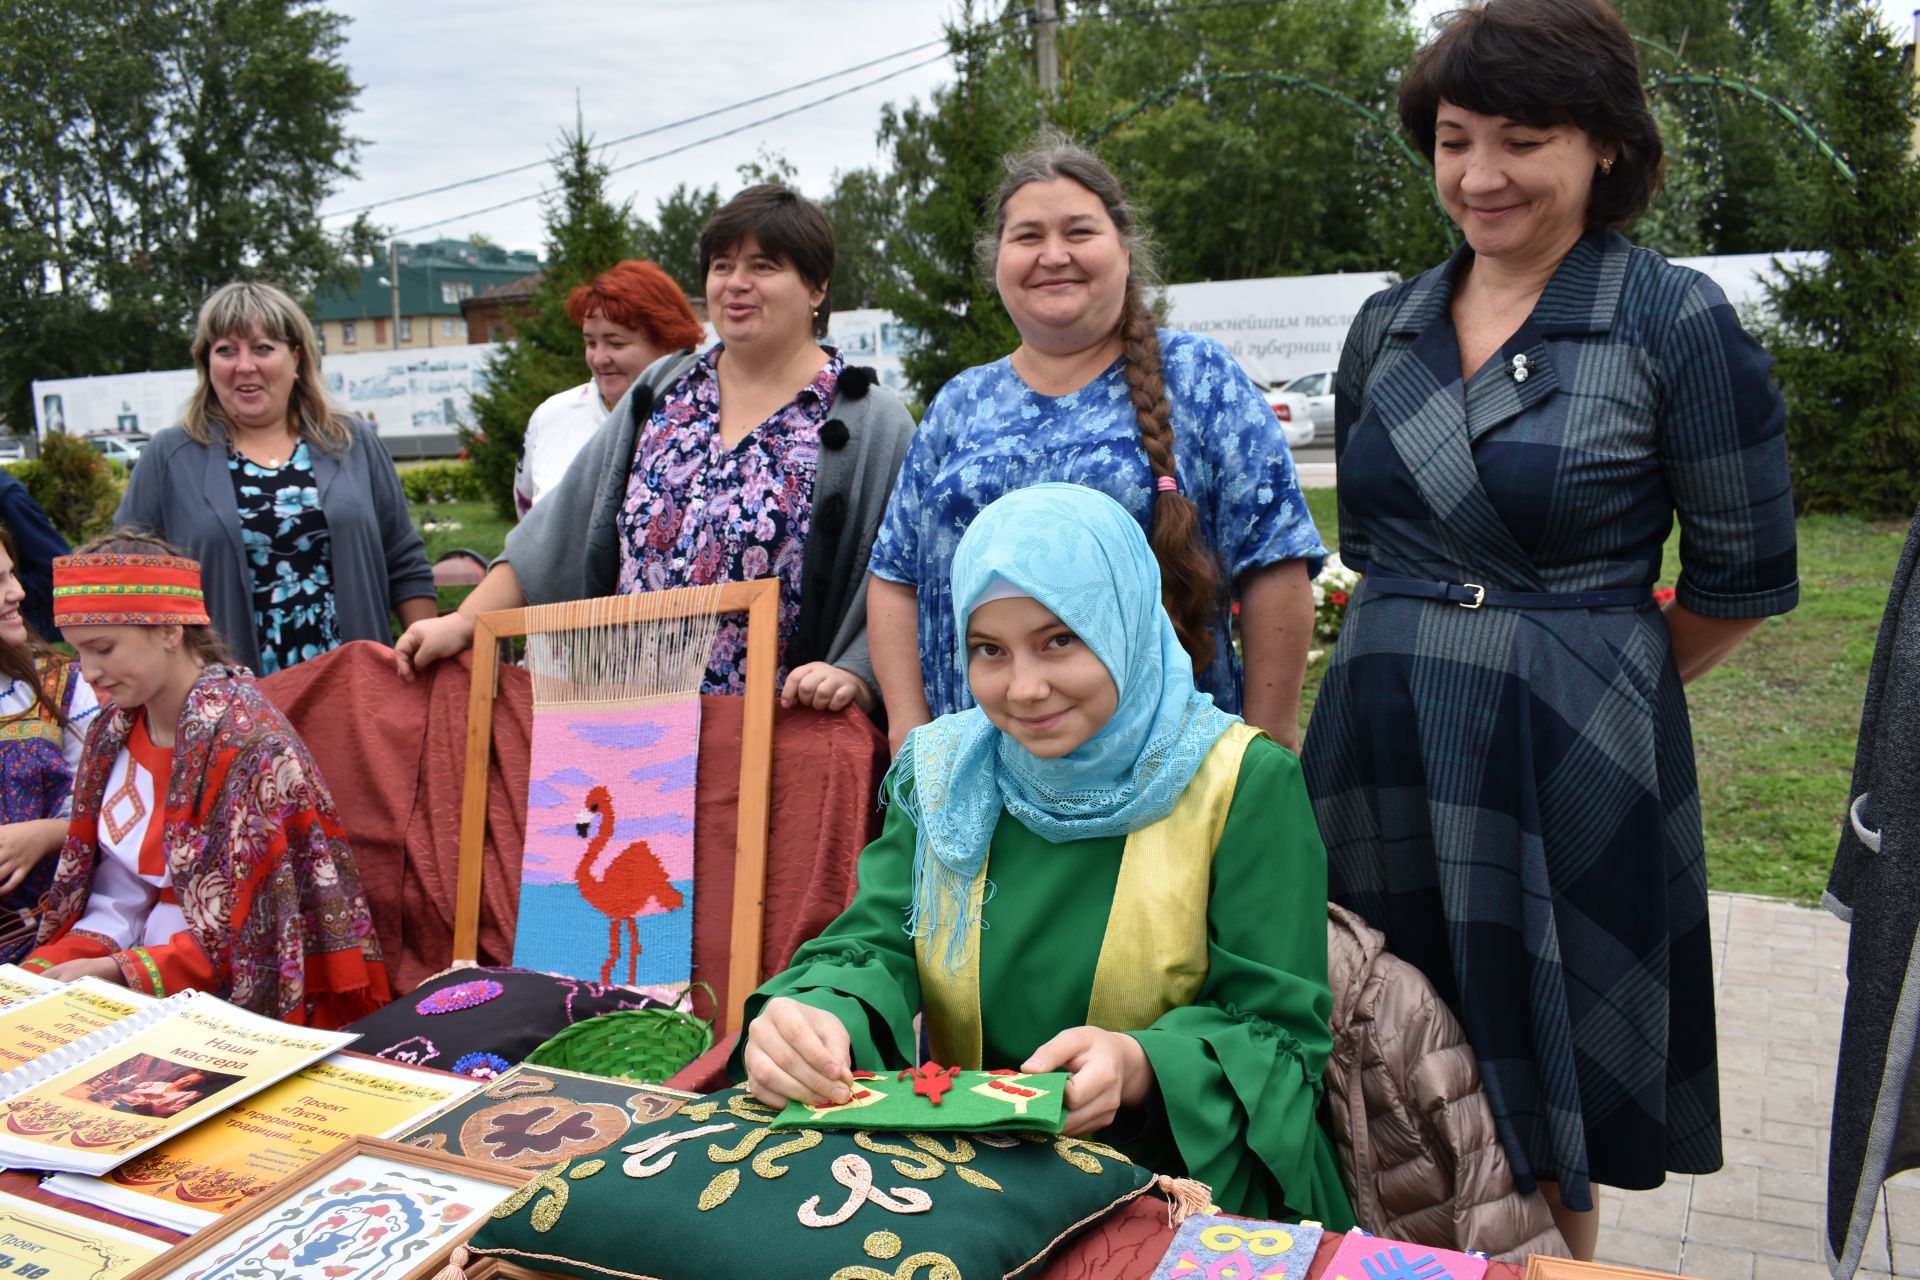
[{"x": 367, "y": 1210}]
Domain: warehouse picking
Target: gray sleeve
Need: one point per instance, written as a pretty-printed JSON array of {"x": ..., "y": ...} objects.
[
  {"x": 140, "y": 505},
  {"x": 893, "y": 432},
  {"x": 548, "y": 550},
  {"x": 409, "y": 576}
]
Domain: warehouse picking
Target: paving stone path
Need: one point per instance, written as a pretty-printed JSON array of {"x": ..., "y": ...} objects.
[{"x": 1780, "y": 972}]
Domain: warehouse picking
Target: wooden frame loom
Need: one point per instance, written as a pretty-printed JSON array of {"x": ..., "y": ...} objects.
[{"x": 760, "y": 601}]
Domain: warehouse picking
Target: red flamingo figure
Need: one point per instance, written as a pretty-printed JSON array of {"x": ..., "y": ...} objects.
[{"x": 634, "y": 884}]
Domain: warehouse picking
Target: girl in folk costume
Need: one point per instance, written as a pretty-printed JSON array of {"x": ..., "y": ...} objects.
[
  {"x": 44, "y": 710},
  {"x": 205, "y": 850},
  {"x": 1098, "y": 872}
]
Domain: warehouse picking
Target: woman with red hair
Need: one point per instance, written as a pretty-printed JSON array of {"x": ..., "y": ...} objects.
[{"x": 629, "y": 317}]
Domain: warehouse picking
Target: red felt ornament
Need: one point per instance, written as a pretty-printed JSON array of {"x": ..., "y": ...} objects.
[{"x": 930, "y": 1080}]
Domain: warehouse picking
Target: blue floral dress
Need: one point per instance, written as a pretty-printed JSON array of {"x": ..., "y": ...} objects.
[
  {"x": 290, "y": 553},
  {"x": 698, "y": 512},
  {"x": 988, "y": 433}
]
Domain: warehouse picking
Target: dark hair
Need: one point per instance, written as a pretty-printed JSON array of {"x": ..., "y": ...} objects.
[
  {"x": 1189, "y": 578},
  {"x": 1543, "y": 63},
  {"x": 790, "y": 228},
  {"x": 203, "y": 642},
  {"x": 640, "y": 296},
  {"x": 24, "y": 663}
]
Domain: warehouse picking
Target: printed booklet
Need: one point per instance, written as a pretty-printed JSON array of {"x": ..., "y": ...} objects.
[
  {"x": 37, "y": 1025},
  {"x": 131, "y": 1085},
  {"x": 189, "y": 1180}
]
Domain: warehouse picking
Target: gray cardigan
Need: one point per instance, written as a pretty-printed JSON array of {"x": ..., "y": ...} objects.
[
  {"x": 182, "y": 490},
  {"x": 1876, "y": 885},
  {"x": 568, "y": 547}
]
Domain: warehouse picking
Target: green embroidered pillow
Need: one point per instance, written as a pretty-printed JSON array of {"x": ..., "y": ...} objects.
[
  {"x": 714, "y": 1191},
  {"x": 936, "y": 1099}
]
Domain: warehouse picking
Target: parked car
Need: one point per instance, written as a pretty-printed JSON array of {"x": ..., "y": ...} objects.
[
  {"x": 121, "y": 446},
  {"x": 12, "y": 449},
  {"x": 1296, "y": 418},
  {"x": 1317, "y": 387}
]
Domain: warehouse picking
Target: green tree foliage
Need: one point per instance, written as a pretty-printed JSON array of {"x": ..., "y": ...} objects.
[
  {"x": 861, "y": 210},
  {"x": 77, "y": 487},
  {"x": 586, "y": 234},
  {"x": 672, "y": 239},
  {"x": 1847, "y": 341},
  {"x": 946, "y": 169},
  {"x": 151, "y": 150}
]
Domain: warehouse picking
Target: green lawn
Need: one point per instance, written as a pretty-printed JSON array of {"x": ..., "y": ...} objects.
[{"x": 1774, "y": 726}]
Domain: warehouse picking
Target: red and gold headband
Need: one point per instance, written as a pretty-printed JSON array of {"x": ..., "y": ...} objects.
[{"x": 109, "y": 590}]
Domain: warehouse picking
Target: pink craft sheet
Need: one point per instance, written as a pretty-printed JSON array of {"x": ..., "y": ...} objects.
[{"x": 645, "y": 759}]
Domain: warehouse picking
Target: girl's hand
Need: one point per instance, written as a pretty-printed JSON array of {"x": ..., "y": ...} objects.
[
  {"x": 797, "y": 1053},
  {"x": 22, "y": 845},
  {"x": 825, "y": 688},
  {"x": 101, "y": 967},
  {"x": 1109, "y": 1071}
]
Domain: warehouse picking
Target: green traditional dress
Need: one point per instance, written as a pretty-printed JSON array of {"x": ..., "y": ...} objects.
[{"x": 1238, "y": 1069}]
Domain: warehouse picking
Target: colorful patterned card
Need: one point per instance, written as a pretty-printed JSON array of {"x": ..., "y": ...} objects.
[
  {"x": 1208, "y": 1247},
  {"x": 1367, "y": 1257},
  {"x": 538, "y": 1117},
  {"x": 936, "y": 1099}
]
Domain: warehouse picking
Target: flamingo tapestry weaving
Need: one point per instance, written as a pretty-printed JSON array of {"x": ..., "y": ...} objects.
[{"x": 606, "y": 884}]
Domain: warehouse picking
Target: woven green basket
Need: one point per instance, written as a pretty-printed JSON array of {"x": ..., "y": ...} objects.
[{"x": 647, "y": 1045}]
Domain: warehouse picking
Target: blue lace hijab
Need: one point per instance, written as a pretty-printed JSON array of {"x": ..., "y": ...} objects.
[{"x": 1080, "y": 554}]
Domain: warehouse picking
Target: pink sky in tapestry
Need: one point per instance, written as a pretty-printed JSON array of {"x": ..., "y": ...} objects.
[{"x": 606, "y": 888}]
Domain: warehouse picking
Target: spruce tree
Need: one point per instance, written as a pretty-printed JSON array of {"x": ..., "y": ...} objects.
[
  {"x": 1847, "y": 337},
  {"x": 586, "y": 234}
]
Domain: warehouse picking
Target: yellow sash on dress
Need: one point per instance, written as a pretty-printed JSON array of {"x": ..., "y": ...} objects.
[{"x": 1154, "y": 957}]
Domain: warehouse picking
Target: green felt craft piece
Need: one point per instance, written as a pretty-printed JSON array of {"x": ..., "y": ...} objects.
[
  {"x": 967, "y": 1102},
  {"x": 715, "y": 1190}
]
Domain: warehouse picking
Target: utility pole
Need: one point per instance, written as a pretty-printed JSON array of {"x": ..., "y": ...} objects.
[
  {"x": 1046, "y": 17},
  {"x": 393, "y": 279}
]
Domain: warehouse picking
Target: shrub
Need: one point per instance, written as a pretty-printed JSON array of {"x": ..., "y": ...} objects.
[
  {"x": 77, "y": 487},
  {"x": 432, "y": 482}
]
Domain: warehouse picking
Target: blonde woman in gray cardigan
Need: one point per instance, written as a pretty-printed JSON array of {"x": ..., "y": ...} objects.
[
  {"x": 292, "y": 508},
  {"x": 765, "y": 456}
]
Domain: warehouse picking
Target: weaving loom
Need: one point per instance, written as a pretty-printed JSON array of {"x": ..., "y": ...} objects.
[
  {"x": 616, "y": 713},
  {"x": 609, "y": 852}
]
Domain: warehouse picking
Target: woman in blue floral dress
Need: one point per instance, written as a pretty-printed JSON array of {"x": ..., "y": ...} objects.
[{"x": 1166, "y": 423}]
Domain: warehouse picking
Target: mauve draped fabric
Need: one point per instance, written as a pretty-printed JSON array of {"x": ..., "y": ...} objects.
[{"x": 395, "y": 755}]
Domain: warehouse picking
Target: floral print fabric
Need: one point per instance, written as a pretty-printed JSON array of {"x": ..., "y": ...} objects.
[
  {"x": 290, "y": 553},
  {"x": 698, "y": 512},
  {"x": 987, "y": 433}
]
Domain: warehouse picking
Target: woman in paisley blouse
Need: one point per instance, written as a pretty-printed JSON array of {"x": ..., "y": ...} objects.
[
  {"x": 1165, "y": 423},
  {"x": 764, "y": 456},
  {"x": 292, "y": 508}
]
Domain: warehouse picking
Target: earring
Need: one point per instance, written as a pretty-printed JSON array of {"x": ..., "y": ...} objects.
[{"x": 1606, "y": 165}]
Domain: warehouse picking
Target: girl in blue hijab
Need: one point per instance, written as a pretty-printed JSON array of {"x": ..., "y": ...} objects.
[{"x": 1093, "y": 870}]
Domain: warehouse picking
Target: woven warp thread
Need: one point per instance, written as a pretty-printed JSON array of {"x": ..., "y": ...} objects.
[{"x": 606, "y": 886}]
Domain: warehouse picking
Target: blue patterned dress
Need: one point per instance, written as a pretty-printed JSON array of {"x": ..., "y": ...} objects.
[
  {"x": 290, "y": 554},
  {"x": 1509, "y": 794},
  {"x": 988, "y": 433}
]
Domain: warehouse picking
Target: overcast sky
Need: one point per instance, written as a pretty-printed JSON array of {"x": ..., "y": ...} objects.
[{"x": 452, "y": 89}]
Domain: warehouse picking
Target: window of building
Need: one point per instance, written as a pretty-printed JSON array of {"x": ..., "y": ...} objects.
[
  {"x": 453, "y": 290},
  {"x": 379, "y": 331},
  {"x": 446, "y": 328},
  {"x": 496, "y": 333},
  {"x": 406, "y": 328},
  {"x": 348, "y": 335}
]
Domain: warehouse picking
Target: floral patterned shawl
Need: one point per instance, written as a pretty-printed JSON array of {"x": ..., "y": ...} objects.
[{"x": 257, "y": 853}]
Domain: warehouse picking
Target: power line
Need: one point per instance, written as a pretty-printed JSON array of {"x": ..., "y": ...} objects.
[
  {"x": 688, "y": 146},
  {"x": 644, "y": 133}
]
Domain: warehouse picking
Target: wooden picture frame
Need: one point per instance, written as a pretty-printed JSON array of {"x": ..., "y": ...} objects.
[
  {"x": 1541, "y": 1267},
  {"x": 760, "y": 601},
  {"x": 204, "y": 1247}
]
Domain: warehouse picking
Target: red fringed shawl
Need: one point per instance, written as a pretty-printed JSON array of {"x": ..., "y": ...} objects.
[{"x": 257, "y": 854}]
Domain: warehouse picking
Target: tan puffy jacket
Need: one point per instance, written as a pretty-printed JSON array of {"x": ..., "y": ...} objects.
[{"x": 1416, "y": 1135}]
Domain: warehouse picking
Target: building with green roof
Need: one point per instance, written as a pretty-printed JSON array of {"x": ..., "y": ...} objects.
[{"x": 433, "y": 280}]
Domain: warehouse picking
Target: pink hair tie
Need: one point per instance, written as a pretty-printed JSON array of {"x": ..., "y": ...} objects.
[{"x": 1167, "y": 484}]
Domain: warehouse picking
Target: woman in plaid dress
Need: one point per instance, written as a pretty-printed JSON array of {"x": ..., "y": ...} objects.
[{"x": 1500, "y": 756}]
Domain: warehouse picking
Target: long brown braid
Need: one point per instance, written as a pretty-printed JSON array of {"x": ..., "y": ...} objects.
[{"x": 1189, "y": 576}]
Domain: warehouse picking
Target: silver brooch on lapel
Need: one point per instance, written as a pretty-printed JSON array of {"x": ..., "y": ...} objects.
[{"x": 1520, "y": 370}]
